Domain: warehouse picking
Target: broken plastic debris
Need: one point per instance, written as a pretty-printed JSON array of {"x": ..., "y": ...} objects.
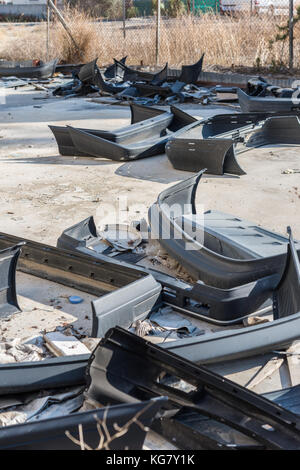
[
  {"x": 122, "y": 237},
  {"x": 75, "y": 299},
  {"x": 290, "y": 171}
]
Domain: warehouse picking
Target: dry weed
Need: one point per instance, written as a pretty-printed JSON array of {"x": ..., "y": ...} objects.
[
  {"x": 84, "y": 33},
  {"x": 227, "y": 42},
  {"x": 105, "y": 438}
]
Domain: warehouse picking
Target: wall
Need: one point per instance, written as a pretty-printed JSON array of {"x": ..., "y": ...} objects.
[
  {"x": 34, "y": 9},
  {"x": 28, "y": 2}
]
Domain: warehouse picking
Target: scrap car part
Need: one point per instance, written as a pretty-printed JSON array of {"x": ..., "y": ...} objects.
[
  {"x": 231, "y": 343},
  {"x": 98, "y": 277},
  {"x": 132, "y": 75},
  {"x": 68, "y": 68},
  {"x": 83, "y": 237},
  {"x": 139, "y": 140},
  {"x": 161, "y": 76},
  {"x": 271, "y": 131},
  {"x": 286, "y": 295},
  {"x": 51, "y": 434},
  {"x": 109, "y": 87},
  {"x": 146, "y": 141},
  {"x": 258, "y": 86},
  {"x": 8, "y": 267},
  {"x": 209, "y": 348},
  {"x": 141, "y": 113},
  {"x": 48, "y": 374},
  {"x": 215, "y": 260},
  {"x": 65, "y": 143},
  {"x": 83, "y": 83},
  {"x": 70, "y": 269},
  {"x": 88, "y": 72},
  {"x": 276, "y": 130},
  {"x": 112, "y": 70},
  {"x": 260, "y": 338},
  {"x": 159, "y": 85},
  {"x": 223, "y": 306},
  {"x": 191, "y": 151},
  {"x": 125, "y": 368},
  {"x": 220, "y": 306},
  {"x": 250, "y": 104},
  {"x": 74, "y": 88},
  {"x": 137, "y": 88},
  {"x": 26, "y": 69},
  {"x": 137, "y": 301},
  {"x": 190, "y": 73},
  {"x": 191, "y": 431},
  {"x": 221, "y": 123},
  {"x": 149, "y": 90}
]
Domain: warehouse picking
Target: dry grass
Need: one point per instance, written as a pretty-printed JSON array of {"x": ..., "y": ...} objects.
[
  {"x": 84, "y": 33},
  {"x": 227, "y": 42}
]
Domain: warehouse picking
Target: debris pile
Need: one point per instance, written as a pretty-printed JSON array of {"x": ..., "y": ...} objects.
[
  {"x": 200, "y": 289},
  {"x": 261, "y": 96},
  {"x": 27, "y": 69},
  {"x": 146, "y": 88},
  {"x": 147, "y": 135},
  {"x": 258, "y": 86}
]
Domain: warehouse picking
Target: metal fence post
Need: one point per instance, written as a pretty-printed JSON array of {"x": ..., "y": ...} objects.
[
  {"x": 124, "y": 19},
  {"x": 48, "y": 30},
  {"x": 291, "y": 34},
  {"x": 61, "y": 19},
  {"x": 157, "y": 32}
]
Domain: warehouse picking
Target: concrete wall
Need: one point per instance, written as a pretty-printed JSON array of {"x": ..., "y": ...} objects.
[
  {"x": 35, "y": 9},
  {"x": 27, "y": 2}
]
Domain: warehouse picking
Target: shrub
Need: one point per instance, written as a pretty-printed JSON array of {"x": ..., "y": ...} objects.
[
  {"x": 132, "y": 12},
  {"x": 175, "y": 8}
]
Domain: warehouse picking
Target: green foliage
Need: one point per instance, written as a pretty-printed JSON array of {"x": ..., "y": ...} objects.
[
  {"x": 276, "y": 64},
  {"x": 114, "y": 9},
  {"x": 171, "y": 8},
  {"x": 257, "y": 63},
  {"x": 154, "y": 7},
  {"x": 132, "y": 12},
  {"x": 281, "y": 36},
  {"x": 104, "y": 8},
  {"x": 284, "y": 30},
  {"x": 175, "y": 8}
]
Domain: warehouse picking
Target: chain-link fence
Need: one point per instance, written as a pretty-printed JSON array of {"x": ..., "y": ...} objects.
[{"x": 234, "y": 34}]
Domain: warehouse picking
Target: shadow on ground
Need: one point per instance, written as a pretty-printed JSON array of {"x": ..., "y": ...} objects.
[
  {"x": 157, "y": 169},
  {"x": 59, "y": 160}
]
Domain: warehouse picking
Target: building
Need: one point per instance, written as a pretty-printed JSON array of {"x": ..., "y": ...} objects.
[
  {"x": 31, "y": 9},
  {"x": 28, "y": 2}
]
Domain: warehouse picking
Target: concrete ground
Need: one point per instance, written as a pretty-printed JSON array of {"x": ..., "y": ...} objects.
[{"x": 42, "y": 193}]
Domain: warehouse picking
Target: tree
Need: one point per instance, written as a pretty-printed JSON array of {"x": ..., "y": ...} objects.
[
  {"x": 175, "y": 8},
  {"x": 105, "y": 8}
]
